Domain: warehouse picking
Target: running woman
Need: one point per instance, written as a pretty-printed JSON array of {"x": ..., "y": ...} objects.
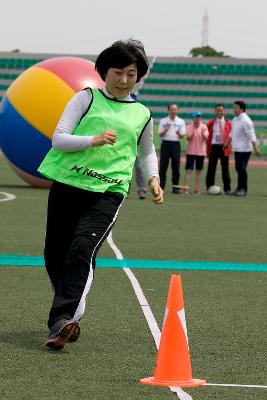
[{"x": 94, "y": 149}]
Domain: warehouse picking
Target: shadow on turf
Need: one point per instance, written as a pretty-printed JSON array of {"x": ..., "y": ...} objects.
[
  {"x": 10, "y": 186},
  {"x": 30, "y": 340}
]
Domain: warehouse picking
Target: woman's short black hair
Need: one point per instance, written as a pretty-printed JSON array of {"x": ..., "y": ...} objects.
[{"x": 121, "y": 54}]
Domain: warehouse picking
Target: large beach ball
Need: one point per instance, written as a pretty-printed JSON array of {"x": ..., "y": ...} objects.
[{"x": 32, "y": 108}]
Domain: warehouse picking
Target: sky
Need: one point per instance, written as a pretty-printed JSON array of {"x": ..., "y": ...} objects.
[{"x": 166, "y": 27}]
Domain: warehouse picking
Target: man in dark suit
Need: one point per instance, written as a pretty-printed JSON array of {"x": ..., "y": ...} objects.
[{"x": 219, "y": 148}]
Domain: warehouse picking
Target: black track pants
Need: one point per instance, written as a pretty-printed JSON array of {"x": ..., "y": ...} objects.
[
  {"x": 241, "y": 163},
  {"x": 216, "y": 154},
  {"x": 169, "y": 150},
  {"x": 78, "y": 222}
]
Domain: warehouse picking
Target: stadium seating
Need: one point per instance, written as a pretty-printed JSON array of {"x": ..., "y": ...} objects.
[
  {"x": 202, "y": 93},
  {"x": 193, "y": 83},
  {"x": 198, "y": 104},
  {"x": 205, "y": 116},
  {"x": 18, "y": 63},
  {"x": 212, "y": 82},
  {"x": 209, "y": 69},
  {"x": 3, "y": 86},
  {"x": 8, "y": 76},
  {"x": 200, "y": 85}
]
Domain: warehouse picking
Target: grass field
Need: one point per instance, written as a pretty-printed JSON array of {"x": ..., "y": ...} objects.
[{"x": 226, "y": 311}]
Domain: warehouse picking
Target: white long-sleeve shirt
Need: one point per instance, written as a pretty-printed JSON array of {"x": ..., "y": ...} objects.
[
  {"x": 243, "y": 133},
  {"x": 176, "y": 124},
  {"x": 63, "y": 140}
]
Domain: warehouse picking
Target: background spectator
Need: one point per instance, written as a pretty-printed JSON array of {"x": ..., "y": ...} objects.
[
  {"x": 243, "y": 141},
  {"x": 219, "y": 132},
  {"x": 171, "y": 130},
  {"x": 197, "y": 135}
]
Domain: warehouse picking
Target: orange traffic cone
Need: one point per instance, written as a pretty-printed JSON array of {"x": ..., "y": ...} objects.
[{"x": 173, "y": 366}]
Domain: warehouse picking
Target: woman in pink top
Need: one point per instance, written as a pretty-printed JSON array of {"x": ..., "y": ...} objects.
[{"x": 197, "y": 135}]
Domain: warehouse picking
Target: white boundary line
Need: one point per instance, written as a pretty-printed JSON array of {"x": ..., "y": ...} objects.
[
  {"x": 152, "y": 323},
  {"x": 153, "y": 326},
  {"x": 236, "y": 385},
  {"x": 8, "y": 196}
]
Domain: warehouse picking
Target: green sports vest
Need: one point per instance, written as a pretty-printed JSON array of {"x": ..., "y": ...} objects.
[{"x": 101, "y": 168}]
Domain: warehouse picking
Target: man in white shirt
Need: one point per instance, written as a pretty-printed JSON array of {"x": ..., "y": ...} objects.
[
  {"x": 171, "y": 130},
  {"x": 243, "y": 141}
]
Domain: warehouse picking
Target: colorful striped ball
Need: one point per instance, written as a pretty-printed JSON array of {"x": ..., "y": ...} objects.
[{"x": 32, "y": 107}]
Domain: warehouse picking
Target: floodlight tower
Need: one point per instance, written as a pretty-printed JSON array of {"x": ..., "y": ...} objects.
[{"x": 205, "y": 29}]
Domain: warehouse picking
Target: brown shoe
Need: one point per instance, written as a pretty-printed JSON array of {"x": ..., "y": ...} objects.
[{"x": 68, "y": 333}]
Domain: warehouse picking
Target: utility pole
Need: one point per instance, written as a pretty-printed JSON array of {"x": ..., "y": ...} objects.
[{"x": 205, "y": 30}]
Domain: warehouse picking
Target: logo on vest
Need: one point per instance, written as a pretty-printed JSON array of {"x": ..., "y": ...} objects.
[{"x": 94, "y": 174}]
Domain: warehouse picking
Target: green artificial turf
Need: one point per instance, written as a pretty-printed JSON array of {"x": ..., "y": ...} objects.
[
  {"x": 225, "y": 323},
  {"x": 204, "y": 228},
  {"x": 226, "y": 327},
  {"x": 115, "y": 348},
  {"x": 225, "y": 310}
]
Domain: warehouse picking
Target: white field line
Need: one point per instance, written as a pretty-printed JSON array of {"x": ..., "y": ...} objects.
[
  {"x": 7, "y": 196},
  {"x": 153, "y": 326},
  {"x": 152, "y": 323},
  {"x": 236, "y": 385}
]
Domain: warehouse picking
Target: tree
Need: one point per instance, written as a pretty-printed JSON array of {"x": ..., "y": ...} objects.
[{"x": 206, "y": 51}]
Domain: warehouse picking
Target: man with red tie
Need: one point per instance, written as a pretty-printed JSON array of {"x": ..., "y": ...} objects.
[{"x": 219, "y": 131}]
